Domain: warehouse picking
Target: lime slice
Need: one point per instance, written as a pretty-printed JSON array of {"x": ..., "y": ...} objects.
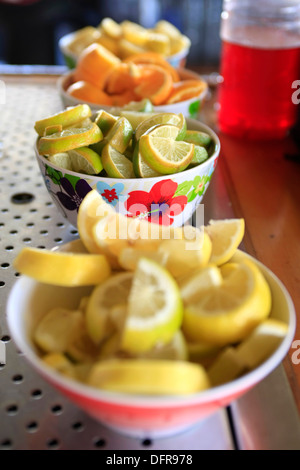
[
  {"x": 53, "y": 129},
  {"x": 69, "y": 139},
  {"x": 57, "y": 329},
  {"x": 68, "y": 117},
  {"x": 116, "y": 164},
  {"x": 176, "y": 349},
  {"x": 136, "y": 117},
  {"x": 120, "y": 134},
  {"x": 105, "y": 121},
  {"x": 62, "y": 160},
  {"x": 200, "y": 155},
  {"x": 227, "y": 313},
  {"x": 149, "y": 377},
  {"x": 92, "y": 209},
  {"x": 85, "y": 160},
  {"x": 154, "y": 308},
  {"x": 140, "y": 167},
  {"x": 165, "y": 155},
  {"x": 62, "y": 268},
  {"x": 114, "y": 291},
  {"x": 226, "y": 235},
  {"x": 163, "y": 118},
  {"x": 198, "y": 138}
]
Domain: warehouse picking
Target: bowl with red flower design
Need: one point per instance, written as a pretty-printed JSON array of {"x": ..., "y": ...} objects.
[{"x": 170, "y": 199}]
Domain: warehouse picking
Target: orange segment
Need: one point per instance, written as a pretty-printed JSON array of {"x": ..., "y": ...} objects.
[
  {"x": 86, "y": 91},
  {"x": 94, "y": 65},
  {"x": 155, "y": 84},
  {"x": 185, "y": 90},
  {"x": 124, "y": 98},
  {"x": 153, "y": 58}
]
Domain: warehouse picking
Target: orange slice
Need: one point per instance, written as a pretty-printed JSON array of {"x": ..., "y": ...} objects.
[
  {"x": 156, "y": 84},
  {"x": 185, "y": 90},
  {"x": 153, "y": 58},
  {"x": 94, "y": 64},
  {"x": 122, "y": 78},
  {"x": 124, "y": 98},
  {"x": 86, "y": 91}
]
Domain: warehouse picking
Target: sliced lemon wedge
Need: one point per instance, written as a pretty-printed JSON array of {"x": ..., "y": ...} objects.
[
  {"x": 154, "y": 308},
  {"x": 149, "y": 377},
  {"x": 227, "y": 313}
]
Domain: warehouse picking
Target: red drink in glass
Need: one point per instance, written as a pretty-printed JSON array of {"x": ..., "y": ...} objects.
[{"x": 255, "y": 97}]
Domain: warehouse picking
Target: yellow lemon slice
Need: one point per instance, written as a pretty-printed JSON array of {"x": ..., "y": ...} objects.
[
  {"x": 226, "y": 235},
  {"x": 176, "y": 349},
  {"x": 199, "y": 281},
  {"x": 69, "y": 139},
  {"x": 148, "y": 377},
  {"x": 261, "y": 342},
  {"x": 62, "y": 269},
  {"x": 99, "y": 309},
  {"x": 154, "y": 308},
  {"x": 70, "y": 116},
  {"x": 184, "y": 256},
  {"x": 92, "y": 209},
  {"x": 250, "y": 353},
  {"x": 57, "y": 329},
  {"x": 165, "y": 155},
  {"x": 226, "y": 314}
]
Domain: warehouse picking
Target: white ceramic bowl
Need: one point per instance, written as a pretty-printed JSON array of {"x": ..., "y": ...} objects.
[
  {"x": 188, "y": 107},
  {"x": 137, "y": 415},
  {"x": 176, "y": 60},
  {"x": 181, "y": 192}
]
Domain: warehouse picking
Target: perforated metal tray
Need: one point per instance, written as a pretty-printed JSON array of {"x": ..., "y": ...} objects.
[{"x": 33, "y": 416}]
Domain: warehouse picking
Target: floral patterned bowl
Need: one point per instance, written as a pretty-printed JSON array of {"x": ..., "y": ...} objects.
[
  {"x": 177, "y": 195},
  {"x": 142, "y": 416}
]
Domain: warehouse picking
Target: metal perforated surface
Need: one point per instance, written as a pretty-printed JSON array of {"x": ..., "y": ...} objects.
[{"x": 32, "y": 414}]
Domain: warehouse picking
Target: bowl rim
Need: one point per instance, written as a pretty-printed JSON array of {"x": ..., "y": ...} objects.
[
  {"x": 61, "y": 81},
  {"x": 65, "y": 40},
  {"x": 221, "y": 392},
  {"x": 190, "y": 121}
]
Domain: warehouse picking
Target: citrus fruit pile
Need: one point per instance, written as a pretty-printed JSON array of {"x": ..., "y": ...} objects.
[
  {"x": 169, "y": 311},
  {"x": 131, "y": 144},
  {"x": 127, "y": 38},
  {"x": 102, "y": 78}
]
